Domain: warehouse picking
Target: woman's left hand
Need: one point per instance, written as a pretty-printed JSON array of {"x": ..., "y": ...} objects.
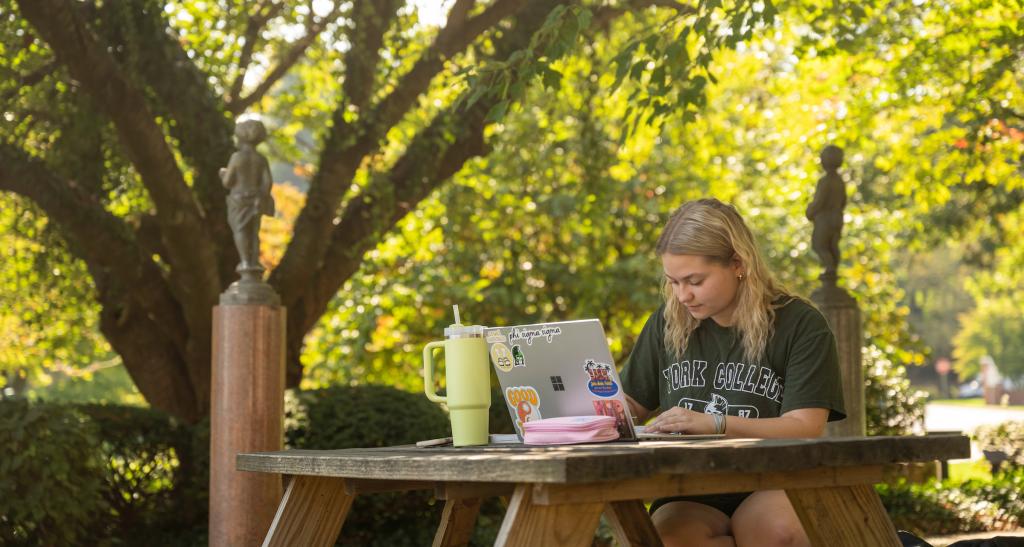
[{"x": 681, "y": 420}]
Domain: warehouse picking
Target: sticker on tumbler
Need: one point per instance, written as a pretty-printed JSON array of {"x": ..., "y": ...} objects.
[
  {"x": 601, "y": 383},
  {"x": 501, "y": 357},
  {"x": 526, "y": 401},
  {"x": 518, "y": 359}
]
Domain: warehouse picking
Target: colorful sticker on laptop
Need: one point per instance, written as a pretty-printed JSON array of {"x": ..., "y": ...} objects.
[
  {"x": 601, "y": 383},
  {"x": 614, "y": 408},
  {"x": 518, "y": 359},
  {"x": 526, "y": 402},
  {"x": 496, "y": 337},
  {"x": 501, "y": 357},
  {"x": 547, "y": 333}
]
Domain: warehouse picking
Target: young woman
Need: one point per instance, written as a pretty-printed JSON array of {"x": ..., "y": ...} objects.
[{"x": 730, "y": 352}]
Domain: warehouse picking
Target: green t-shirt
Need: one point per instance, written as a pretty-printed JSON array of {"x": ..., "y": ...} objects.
[{"x": 800, "y": 368}]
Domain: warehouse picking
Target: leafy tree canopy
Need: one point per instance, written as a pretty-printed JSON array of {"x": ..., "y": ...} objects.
[{"x": 118, "y": 115}]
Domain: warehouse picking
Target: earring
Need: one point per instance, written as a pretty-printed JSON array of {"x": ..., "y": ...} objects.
[{"x": 740, "y": 276}]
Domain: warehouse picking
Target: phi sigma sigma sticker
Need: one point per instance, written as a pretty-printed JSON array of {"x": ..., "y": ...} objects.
[
  {"x": 601, "y": 383},
  {"x": 501, "y": 357}
]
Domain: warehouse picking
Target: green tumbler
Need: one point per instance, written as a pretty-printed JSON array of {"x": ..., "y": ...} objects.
[{"x": 468, "y": 377}]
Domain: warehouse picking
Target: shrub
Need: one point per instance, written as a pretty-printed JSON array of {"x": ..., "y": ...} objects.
[
  {"x": 1006, "y": 438},
  {"x": 369, "y": 416},
  {"x": 128, "y": 475},
  {"x": 51, "y": 477},
  {"x": 947, "y": 508},
  {"x": 150, "y": 472},
  {"x": 891, "y": 406}
]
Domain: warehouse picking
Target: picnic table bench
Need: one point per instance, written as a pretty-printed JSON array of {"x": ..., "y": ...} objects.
[{"x": 558, "y": 493}]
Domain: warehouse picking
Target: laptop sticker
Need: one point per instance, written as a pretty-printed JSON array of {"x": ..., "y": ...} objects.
[
  {"x": 613, "y": 408},
  {"x": 501, "y": 357},
  {"x": 546, "y": 333},
  {"x": 526, "y": 401},
  {"x": 495, "y": 337},
  {"x": 518, "y": 359},
  {"x": 601, "y": 383}
]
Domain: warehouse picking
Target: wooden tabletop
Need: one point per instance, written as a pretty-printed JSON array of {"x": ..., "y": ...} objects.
[{"x": 604, "y": 462}]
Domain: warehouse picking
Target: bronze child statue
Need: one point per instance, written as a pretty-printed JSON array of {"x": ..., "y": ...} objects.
[
  {"x": 826, "y": 211},
  {"x": 247, "y": 176}
]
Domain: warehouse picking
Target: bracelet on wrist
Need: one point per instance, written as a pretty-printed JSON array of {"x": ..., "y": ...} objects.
[{"x": 719, "y": 423}]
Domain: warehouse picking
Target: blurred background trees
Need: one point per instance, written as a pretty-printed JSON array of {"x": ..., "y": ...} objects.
[{"x": 608, "y": 117}]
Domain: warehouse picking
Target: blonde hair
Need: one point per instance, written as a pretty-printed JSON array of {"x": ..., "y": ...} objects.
[{"x": 714, "y": 230}]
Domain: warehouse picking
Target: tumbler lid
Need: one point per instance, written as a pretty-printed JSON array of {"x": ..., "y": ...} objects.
[{"x": 458, "y": 330}]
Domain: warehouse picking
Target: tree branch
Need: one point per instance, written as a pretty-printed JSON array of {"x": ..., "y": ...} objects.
[
  {"x": 346, "y": 146},
  {"x": 314, "y": 26},
  {"x": 194, "y": 273},
  {"x": 370, "y": 20},
  {"x": 183, "y": 94},
  {"x": 152, "y": 361},
  {"x": 256, "y": 22},
  {"x": 94, "y": 235}
]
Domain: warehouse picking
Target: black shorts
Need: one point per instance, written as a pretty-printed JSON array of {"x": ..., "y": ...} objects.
[{"x": 726, "y": 503}]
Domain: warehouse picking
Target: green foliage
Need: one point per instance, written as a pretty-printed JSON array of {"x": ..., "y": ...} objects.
[
  {"x": 892, "y": 407},
  {"x": 994, "y": 328},
  {"x": 148, "y": 469},
  {"x": 946, "y": 507},
  {"x": 51, "y": 476},
  {"x": 47, "y": 319},
  {"x": 1007, "y": 437},
  {"x": 105, "y": 382},
  {"x": 936, "y": 296}
]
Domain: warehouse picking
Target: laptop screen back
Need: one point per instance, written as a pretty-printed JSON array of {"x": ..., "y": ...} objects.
[{"x": 550, "y": 370}]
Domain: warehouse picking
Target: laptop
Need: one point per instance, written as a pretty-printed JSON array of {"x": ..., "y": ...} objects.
[{"x": 549, "y": 370}]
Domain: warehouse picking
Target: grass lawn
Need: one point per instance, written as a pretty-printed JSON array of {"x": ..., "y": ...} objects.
[
  {"x": 977, "y": 402},
  {"x": 966, "y": 470}
]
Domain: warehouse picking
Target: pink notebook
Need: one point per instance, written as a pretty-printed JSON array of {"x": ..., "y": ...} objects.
[{"x": 570, "y": 430}]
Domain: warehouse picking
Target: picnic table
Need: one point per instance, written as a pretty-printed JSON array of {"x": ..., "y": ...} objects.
[{"x": 558, "y": 493}]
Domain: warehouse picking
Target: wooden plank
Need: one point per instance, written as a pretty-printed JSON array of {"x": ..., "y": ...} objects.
[
  {"x": 704, "y": 483},
  {"x": 484, "y": 464},
  {"x": 310, "y": 513},
  {"x": 843, "y": 516},
  {"x": 457, "y": 521},
  {"x": 612, "y": 461},
  {"x": 528, "y": 525},
  {"x": 372, "y": 486},
  {"x": 463, "y": 490},
  {"x": 753, "y": 455},
  {"x": 631, "y": 524}
]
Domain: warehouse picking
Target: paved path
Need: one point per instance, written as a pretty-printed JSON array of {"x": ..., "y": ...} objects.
[
  {"x": 939, "y": 416},
  {"x": 944, "y": 541}
]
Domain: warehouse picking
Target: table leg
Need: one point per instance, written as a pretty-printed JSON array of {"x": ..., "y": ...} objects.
[
  {"x": 843, "y": 516},
  {"x": 631, "y": 524},
  {"x": 310, "y": 513},
  {"x": 564, "y": 525},
  {"x": 457, "y": 522}
]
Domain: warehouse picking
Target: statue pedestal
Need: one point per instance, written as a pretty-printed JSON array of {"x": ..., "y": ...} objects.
[
  {"x": 843, "y": 315},
  {"x": 246, "y": 415}
]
